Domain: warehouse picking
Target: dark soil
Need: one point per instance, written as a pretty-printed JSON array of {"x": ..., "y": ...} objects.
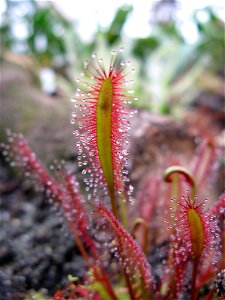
[{"x": 37, "y": 250}]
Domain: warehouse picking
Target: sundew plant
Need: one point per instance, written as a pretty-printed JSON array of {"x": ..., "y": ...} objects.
[{"x": 116, "y": 244}]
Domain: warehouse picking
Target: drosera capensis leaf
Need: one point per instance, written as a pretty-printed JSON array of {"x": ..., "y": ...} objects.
[
  {"x": 196, "y": 233},
  {"x": 102, "y": 115},
  {"x": 196, "y": 237},
  {"x": 104, "y": 129}
]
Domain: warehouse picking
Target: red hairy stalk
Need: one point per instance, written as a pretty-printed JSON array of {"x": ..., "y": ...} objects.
[
  {"x": 78, "y": 219},
  {"x": 68, "y": 194},
  {"x": 140, "y": 225},
  {"x": 172, "y": 280},
  {"x": 218, "y": 210},
  {"x": 147, "y": 197},
  {"x": 103, "y": 120},
  {"x": 134, "y": 262},
  {"x": 204, "y": 160},
  {"x": 19, "y": 153},
  {"x": 148, "y": 202}
]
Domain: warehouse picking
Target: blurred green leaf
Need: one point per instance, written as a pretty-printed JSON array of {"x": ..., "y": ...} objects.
[
  {"x": 114, "y": 32},
  {"x": 143, "y": 47},
  {"x": 170, "y": 30}
]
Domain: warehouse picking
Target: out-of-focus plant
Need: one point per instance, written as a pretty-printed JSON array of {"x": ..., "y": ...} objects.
[
  {"x": 179, "y": 72},
  {"x": 36, "y": 35},
  {"x": 170, "y": 70},
  {"x": 113, "y": 34},
  {"x": 41, "y": 31}
]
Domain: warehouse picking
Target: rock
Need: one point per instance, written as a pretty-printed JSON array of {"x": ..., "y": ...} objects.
[
  {"x": 156, "y": 141},
  {"x": 44, "y": 120}
]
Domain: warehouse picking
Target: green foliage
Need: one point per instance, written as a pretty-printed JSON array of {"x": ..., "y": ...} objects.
[
  {"x": 48, "y": 25},
  {"x": 211, "y": 41},
  {"x": 114, "y": 32},
  {"x": 143, "y": 47},
  {"x": 54, "y": 42}
]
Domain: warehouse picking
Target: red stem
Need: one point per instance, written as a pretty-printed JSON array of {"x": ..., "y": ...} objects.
[{"x": 193, "y": 281}]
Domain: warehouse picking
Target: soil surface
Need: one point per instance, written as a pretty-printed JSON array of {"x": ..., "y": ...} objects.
[{"x": 37, "y": 251}]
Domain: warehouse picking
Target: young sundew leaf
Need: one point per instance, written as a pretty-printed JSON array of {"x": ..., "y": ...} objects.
[
  {"x": 196, "y": 238},
  {"x": 204, "y": 161},
  {"x": 103, "y": 120},
  {"x": 197, "y": 228}
]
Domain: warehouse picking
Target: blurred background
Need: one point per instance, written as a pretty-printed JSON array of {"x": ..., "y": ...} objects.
[{"x": 177, "y": 49}]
